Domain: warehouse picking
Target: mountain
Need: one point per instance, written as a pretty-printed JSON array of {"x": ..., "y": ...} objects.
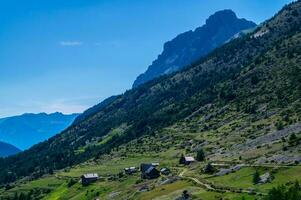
[
  {"x": 8, "y": 149},
  {"x": 190, "y": 46},
  {"x": 186, "y": 48},
  {"x": 28, "y": 129},
  {"x": 241, "y": 104}
]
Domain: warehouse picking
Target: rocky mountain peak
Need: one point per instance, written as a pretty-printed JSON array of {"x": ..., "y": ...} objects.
[{"x": 190, "y": 46}]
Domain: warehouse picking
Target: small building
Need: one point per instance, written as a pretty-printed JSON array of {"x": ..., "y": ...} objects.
[
  {"x": 148, "y": 171},
  {"x": 89, "y": 178},
  {"x": 155, "y": 164},
  {"x": 165, "y": 171},
  {"x": 187, "y": 160},
  {"x": 130, "y": 170}
]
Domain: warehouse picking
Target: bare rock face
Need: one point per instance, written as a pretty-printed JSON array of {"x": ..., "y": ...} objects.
[{"x": 192, "y": 45}]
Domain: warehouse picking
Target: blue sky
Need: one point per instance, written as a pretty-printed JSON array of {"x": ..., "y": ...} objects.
[{"x": 67, "y": 55}]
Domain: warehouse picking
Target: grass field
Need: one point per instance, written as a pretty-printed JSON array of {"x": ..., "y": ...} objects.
[{"x": 243, "y": 178}]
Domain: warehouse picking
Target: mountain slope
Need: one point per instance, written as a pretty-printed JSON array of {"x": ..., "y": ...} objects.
[
  {"x": 256, "y": 76},
  {"x": 29, "y": 129},
  {"x": 7, "y": 149},
  {"x": 190, "y": 46}
]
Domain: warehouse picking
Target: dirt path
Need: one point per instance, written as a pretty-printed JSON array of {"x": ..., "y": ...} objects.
[
  {"x": 207, "y": 186},
  {"x": 211, "y": 187}
]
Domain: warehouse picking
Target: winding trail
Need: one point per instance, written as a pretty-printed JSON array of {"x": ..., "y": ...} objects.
[
  {"x": 206, "y": 185},
  {"x": 211, "y": 187}
]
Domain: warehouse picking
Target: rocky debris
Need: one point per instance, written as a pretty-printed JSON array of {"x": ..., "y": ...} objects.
[
  {"x": 265, "y": 178},
  {"x": 224, "y": 171},
  {"x": 200, "y": 145},
  {"x": 279, "y": 159},
  {"x": 261, "y": 33},
  {"x": 144, "y": 188},
  {"x": 199, "y": 111},
  {"x": 113, "y": 194},
  {"x": 214, "y": 114},
  {"x": 269, "y": 138},
  {"x": 169, "y": 180}
]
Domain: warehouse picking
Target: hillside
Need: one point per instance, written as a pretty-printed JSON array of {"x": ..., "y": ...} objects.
[
  {"x": 7, "y": 149},
  {"x": 192, "y": 45},
  {"x": 240, "y": 104},
  {"x": 28, "y": 129}
]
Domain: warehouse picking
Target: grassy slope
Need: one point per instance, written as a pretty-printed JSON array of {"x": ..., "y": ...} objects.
[{"x": 131, "y": 155}]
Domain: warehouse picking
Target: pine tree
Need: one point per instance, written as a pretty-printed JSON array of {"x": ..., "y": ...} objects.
[
  {"x": 256, "y": 177},
  {"x": 200, "y": 155},
  {"x": 182, "y": 159},
  {"x": 209, "y": 169}
]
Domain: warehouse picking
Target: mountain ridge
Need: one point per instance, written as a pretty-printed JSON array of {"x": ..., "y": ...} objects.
[
  {"x": 28, "y": 129},
  {"x": 191, "y": 45}
]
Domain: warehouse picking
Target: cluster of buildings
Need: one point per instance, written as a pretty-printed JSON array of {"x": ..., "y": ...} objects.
[{"x": 148, "y": 171}]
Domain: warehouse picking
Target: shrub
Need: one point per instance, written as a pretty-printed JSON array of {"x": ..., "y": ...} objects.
[{"x": 71, "y": 182}]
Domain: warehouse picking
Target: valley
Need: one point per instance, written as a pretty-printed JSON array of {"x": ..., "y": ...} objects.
[{"x": 227, "y": 127}]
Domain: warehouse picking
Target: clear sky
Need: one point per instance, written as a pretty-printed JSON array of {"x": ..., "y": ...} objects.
[{"x": 67, "y": 55}]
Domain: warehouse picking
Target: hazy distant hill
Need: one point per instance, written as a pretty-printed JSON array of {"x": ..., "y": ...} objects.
[
  {"x": 28, "y": 129},
  {"x": 190, "y": 46},
  {"x": 8, "y": 149}
]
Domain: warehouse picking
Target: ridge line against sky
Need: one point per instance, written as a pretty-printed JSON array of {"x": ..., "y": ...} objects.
[{"x": 66, "y": 56}]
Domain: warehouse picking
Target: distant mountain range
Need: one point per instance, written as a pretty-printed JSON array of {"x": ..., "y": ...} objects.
[
  {"x": 190, "y": 46},
  {"x": 28, "y": 129},
  {"x": 8, "y": 149}
]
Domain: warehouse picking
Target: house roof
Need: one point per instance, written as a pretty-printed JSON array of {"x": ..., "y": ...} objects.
[
  {"x": 144, "y": 167},
  {"x": 189, "y": 159},
  {"x": 164, "y": 169},
  {"x": 130, "y": 168},
  {"x": 94, "y": 175},
  {"x": 151, "y": 168}
]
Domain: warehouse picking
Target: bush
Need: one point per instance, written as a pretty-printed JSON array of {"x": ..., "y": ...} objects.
[
  {"x": 71, "y": 182},
  {"x": 279, "y": 125},
  {"x": 285, "y": 193}
]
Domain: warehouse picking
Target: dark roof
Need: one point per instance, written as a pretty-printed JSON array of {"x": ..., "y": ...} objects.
[
  {"x": 144, "y": 167},
  {"x": 151, "y": 168}
]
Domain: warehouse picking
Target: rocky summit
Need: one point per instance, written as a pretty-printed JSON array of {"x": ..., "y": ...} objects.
[{"x": 190, "y": 46}]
